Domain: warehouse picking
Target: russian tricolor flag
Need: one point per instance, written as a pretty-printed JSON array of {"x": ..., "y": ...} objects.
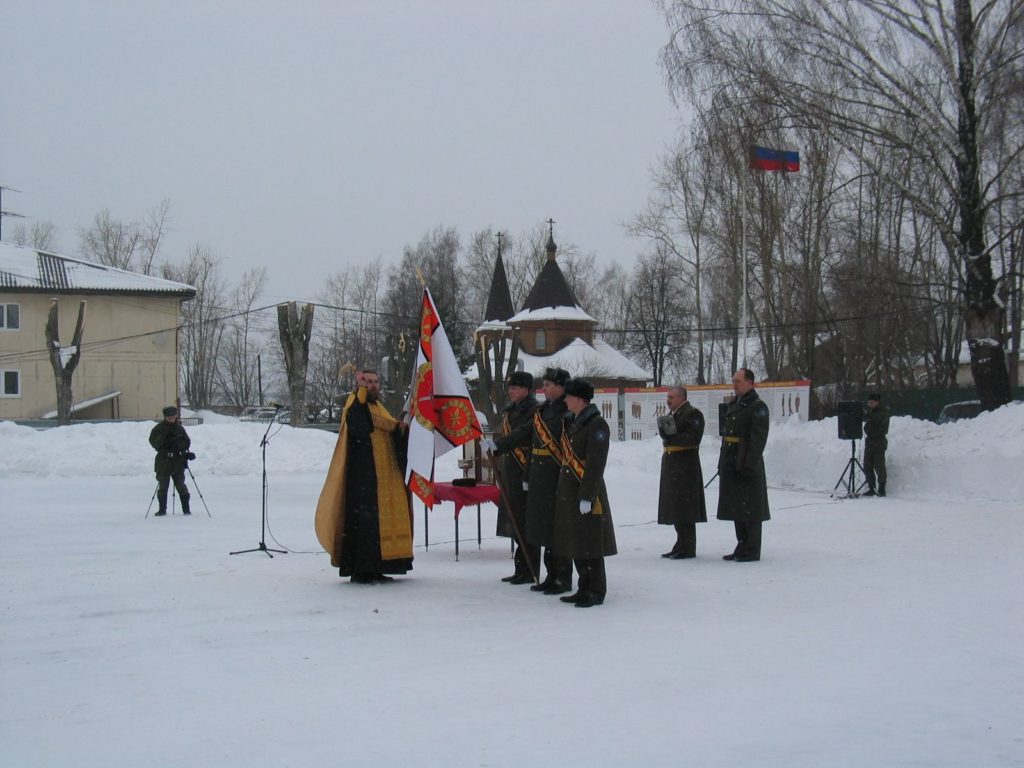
[{"x": 764, "y": 159}]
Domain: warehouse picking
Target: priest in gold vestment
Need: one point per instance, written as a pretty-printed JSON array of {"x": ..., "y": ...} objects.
[{"x": 364, "y": 518}]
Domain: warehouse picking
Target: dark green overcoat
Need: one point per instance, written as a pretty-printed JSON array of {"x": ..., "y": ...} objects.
[
  {"x": 542, "y": 472},
  {"x": 513, "y": 464},
  {"x": 681, "y": 496},
  {"x": 171, "y": 442},
  {"x": 591, "y": 536},
  {"x": 876, "y": 429},
  {"x": 742, "y": 487}
]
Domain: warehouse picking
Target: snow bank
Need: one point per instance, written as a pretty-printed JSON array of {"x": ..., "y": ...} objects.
[
  {"x": 120, "y": 449},
  {"x": 978, "y": 459}
]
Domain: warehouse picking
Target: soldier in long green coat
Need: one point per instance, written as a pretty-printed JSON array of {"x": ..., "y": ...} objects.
[
  {"x": 583, "y": 518},
  {"x": 172, "y": 443},
  {"x": 876, "y": 441},
  {"x": 513, "y": 466},
  {"x": 743, "y": 488},
  {"x": 543, "y": 436},
  {"x": 681, "y": 496}
]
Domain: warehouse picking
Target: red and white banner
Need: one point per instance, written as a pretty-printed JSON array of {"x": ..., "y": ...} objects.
[{"x": 443, "y": 416}]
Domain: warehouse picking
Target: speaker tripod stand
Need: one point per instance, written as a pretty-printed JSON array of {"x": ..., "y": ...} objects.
[
  {"x": 848, "y": 479},
  {"x": 262, "y": 546}
]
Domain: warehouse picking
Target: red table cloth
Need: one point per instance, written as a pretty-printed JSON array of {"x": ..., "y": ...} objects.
[{"x": 465, "y": 495}]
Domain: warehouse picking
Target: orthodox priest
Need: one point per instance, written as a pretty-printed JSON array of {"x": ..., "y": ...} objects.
[{"x": 363, "y": 518}]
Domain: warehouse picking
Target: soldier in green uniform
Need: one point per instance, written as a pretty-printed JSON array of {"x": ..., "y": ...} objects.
[
  {"x": 514, "y": 464},
  {"x": 583, "y": 518},
  {"x": 743, "y": 488},
  {"x": 540, "y": 479},
  {"x": 876, "y": 430},
  {"x": 681, "y": 496},
  {"x": 171, "y": 442}
]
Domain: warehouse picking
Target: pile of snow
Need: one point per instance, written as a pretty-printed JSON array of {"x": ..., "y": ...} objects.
[{"x": 976, "y": 459}]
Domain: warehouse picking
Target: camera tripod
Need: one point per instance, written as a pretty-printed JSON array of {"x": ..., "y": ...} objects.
[
  {"x": 262, "y": 546},
  {"x": 848, "y": 479},
  {"x": 173, "y": 492}
]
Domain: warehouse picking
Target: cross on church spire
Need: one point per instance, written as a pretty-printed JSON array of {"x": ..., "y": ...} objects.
[{"x": 552, "y": 249}]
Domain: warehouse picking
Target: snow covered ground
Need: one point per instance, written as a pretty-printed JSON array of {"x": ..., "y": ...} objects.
[{"x": 874, "y": 632}]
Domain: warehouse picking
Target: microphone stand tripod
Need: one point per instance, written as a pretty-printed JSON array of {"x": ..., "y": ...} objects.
[{"x": 263, "y": 536}]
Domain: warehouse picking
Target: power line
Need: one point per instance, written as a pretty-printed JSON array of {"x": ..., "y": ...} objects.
[{"x": 675, "y": 330}]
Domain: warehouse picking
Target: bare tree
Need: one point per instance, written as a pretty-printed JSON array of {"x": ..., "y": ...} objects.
[
  {"x": 241, "y": 344},
  {"x": 42, "y": 235},
  {"x": 126, "y": 245},
  {"x": 296, "y": 329},
  {"x": 202, "y": 329},
  {"x": 348, "y": 333},
  {"x": 926, "y": 80},
  {"x": 655, "y": 305},
  {"x": 64, "y": 359}
]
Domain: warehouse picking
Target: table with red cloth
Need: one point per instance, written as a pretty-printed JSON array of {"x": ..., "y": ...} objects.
[{"x": 462, "y": 496}]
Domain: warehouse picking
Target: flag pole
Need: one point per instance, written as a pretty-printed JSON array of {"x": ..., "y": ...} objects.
[
  {"x": 512, "y": 518},
  {"x": 743, "y": 258}
]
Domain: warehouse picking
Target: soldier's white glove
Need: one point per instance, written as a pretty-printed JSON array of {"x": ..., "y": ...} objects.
[
  {"x": 526, "y": 486},
  {"x": 585, "y": 507},
  {"x": 487, "y": 445}
]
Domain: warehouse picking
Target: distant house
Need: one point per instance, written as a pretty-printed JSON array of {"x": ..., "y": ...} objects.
[
  {"x": 554, "y": 331},
  {"x": 964, "y": 376},
  {"x": 129, "y": 363}
]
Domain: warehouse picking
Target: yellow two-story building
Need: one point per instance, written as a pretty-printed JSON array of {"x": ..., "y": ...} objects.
[{"x": 129, "y": 359}]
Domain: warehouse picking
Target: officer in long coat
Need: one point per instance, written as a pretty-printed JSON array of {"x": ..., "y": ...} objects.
[
  {"x": 876, "y": 441},
  {"x": 540, "y": 479},
  {"x": 681, "y": 496},
  {"x": 513, "y": 465},
  {"x": 171, "y": 442},
  {"x": 743, "y": 489},
  {"x": 583, "y": 518}
]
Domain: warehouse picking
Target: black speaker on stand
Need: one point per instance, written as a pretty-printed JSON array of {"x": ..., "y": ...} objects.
[{"x": 851, "y": 427}]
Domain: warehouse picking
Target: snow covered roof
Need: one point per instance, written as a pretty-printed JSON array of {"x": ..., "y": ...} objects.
[
  {"x": 574, "y": 313},
  {"x": 493, "y": 325},
  {"x": 580, "y": 359},
  {"x": 28, "y": 270},
  {"x": 82, "y": 405}
]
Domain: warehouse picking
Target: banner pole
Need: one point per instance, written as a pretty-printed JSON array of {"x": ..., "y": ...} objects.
[{"x": 512, "y": 518}]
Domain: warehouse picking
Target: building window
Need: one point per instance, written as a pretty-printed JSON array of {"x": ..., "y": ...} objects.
[
  {"x": 10, "y": 383},
  {"x": 10, "y": 317},
  {"x": 540, "y": 340}
]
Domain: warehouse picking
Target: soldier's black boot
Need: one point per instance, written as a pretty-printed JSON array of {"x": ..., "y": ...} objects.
[
  {"x": 160, "y": 512},
  {"x": 871, "y": 492},
  {"x": 546, "y": 584},
  {"x": 881, "y": 489}
]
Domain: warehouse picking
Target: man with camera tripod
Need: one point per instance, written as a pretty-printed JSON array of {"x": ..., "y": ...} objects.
[{"x": 172, "y": 443}]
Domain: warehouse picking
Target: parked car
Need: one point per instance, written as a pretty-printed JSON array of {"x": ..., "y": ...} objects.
[
  {"x": 265, "y": 414},
  {"x": 965, "y": 409}
]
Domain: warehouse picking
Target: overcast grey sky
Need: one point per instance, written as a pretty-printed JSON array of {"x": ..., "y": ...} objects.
[{"x": 303, "y": 136}]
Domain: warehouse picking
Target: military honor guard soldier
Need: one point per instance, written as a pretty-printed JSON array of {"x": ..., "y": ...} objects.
[
  {"x": 540, "y": 479},
  {"x": 583, "y": 527},
  {"x": 514, "y": 463},
  {"x": 681, "y": 495},
  {"x": 743, "y": 488}
]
